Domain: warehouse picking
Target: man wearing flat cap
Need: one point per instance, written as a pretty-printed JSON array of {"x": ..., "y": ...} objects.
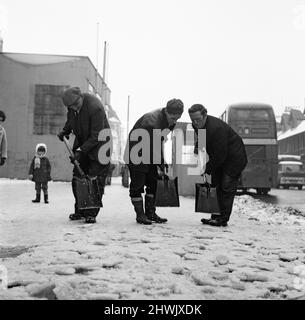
[
  {"x": 146, "y": 173},
  {"x": 86, "y": 118}
]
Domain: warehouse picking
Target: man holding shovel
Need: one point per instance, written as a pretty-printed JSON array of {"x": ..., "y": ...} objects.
[{"x": 86, "y": 118}]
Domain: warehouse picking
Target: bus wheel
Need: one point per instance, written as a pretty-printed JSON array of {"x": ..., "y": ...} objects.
[
  {"x": 259, "y": 191},
  {"x": 244, "y": 190},
  {"x": 300, "y": 187},
  {"x": 265, "y": 191}
]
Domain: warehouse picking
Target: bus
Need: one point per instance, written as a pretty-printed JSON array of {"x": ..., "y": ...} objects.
[{"x": 256, "y": 125}]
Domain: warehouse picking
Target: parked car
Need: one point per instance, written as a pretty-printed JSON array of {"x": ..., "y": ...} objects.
[{"x": 291, "y": 172}]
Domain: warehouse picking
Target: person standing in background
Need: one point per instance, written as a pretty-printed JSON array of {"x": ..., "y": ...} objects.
[
  {"x": 40, "y": 172},
  {"x": 3, "y": 140}
]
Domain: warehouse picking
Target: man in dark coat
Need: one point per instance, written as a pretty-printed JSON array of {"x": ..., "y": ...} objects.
[
  {"x": 227, "y": 159},
  {"x": 86, "y": 118},
  {"x": 146, "y": 172}
]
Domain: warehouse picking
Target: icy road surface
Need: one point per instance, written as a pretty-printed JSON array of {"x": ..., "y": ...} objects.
[{"x": 260, "y": 255}]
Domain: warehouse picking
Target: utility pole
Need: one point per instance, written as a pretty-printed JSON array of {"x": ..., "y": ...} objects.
[
  {"x": 125, "y": 170},
  {"x": 97, "y": 54},
  {"x": 104, "y": 72},
  {"x": 128, "y": 106},
  {"x": 104, "y": 62},
  {"x": 1, "y": 42}
]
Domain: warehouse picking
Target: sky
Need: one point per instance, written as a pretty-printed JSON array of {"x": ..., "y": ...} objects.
[{"x": 213, "y": 52}]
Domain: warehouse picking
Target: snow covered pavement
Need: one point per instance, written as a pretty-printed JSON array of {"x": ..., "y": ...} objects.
[{"x": 260, "y": 255}]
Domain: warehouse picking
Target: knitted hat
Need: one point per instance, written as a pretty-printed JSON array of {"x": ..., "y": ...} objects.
[
  {"x": 70, "y": 96},
  {"x": 174, "y": 106},
  {"x": 41, "y": 147}
]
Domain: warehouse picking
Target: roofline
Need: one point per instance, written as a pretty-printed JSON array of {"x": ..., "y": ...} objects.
[
  {"x": 61, "y": 55},
  {"x": 45, "y": 54},
  {"x": 256, "y": 104}
]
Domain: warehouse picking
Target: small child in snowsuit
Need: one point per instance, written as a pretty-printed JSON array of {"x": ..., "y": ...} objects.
[{"x": 40, "y": 172}]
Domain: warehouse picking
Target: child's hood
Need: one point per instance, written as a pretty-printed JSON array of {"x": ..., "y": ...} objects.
[{"x": 41, "y": 145}]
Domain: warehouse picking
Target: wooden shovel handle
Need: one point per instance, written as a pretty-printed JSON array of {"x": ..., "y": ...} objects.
[{"x": 75, "y": 162}]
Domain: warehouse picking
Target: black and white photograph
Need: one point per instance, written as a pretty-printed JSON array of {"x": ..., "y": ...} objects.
[{"x": 152, "y": 151}]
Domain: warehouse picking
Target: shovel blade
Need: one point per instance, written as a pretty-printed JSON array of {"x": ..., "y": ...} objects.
[{"x": 87, "y": 193}]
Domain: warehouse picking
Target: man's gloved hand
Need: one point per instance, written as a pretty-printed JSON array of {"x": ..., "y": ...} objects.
[
  {"x": 2, "y": 161},
  {"x": 30, "y": 177},
  {"x": 61, "y": 136},
  {"x": 77, "y": 156},
  {"x": 162, "y": 169},
  {"x": 207, "y": 178}
]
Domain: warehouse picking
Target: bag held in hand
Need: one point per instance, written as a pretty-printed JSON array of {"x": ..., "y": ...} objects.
[
  {"x": 206, "y": 199},
  {"x": 167, "y": 193}
]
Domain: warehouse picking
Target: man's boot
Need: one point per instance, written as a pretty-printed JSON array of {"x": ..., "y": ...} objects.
[
  {"x": 90, "y": 215},
  {"x": 37, "y": 198},
  {"x": 77, "y": 215},
  {"x": 213, "y": 217},
  {"x": 46, "y": 198},
  {"x": 215, "y": 222},
  {"x": 90, "y": 219},
  {"x": 141, "y": 217},
  {"x": 150, "y": 209}
]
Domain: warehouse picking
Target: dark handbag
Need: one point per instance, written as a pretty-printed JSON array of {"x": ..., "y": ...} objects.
[
  {"x": 167, "y": 193},
  {"x": 206, "y": 199}
]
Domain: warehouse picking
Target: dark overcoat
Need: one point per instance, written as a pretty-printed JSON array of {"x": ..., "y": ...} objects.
[
  {"x": 87, "y": 125},
  {"x": 42, "y": 174},
  {"x": 153, "y": 120},
  {"x": 225, "y": 149}
]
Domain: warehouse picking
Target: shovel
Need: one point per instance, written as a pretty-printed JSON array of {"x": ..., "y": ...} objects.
[{"x": 87, "y": 191}]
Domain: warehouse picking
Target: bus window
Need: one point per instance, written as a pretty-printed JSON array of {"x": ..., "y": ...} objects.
[
  {"x": 251, "y": 114},
  {"x": 292, "y": 167},
  {"x": 241, "y": 114},
  {"x": 260, "y": 114}
]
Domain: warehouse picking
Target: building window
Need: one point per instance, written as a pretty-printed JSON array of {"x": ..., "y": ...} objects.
[{"x": 49, "y": 111}]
